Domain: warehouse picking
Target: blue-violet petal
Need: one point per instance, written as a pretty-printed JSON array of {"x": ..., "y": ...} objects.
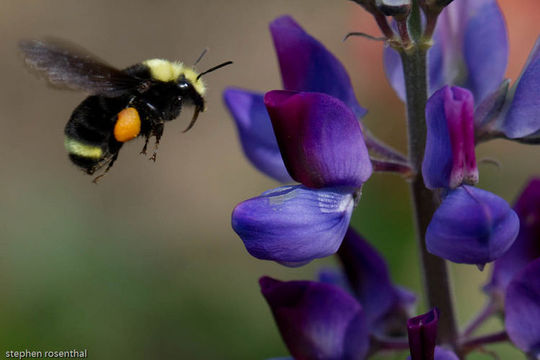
[
  {"x": 256, "y": 132},
  {"x": 293, "y": 224}
]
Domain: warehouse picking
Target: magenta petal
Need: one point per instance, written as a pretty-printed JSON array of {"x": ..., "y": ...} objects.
[
  {"x": 422, "y": 331},
  {"x": 306, "y": 65},
  {"x": 256, "y": 133},
  {"x": 449, "y": 158},
  {"x": 523, "y": 117},
  {"x": 293, "y": 224},
  {"x": 320, "y": 139},
  {"x": 317, "y": 321},
  {"x": 522, "y": 309},
  {"x": 472, "y": 226},
  {"x": 526, "y": 248}
]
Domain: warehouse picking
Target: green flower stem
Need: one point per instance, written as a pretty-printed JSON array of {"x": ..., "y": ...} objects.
[{"x": 434, "y": 269}]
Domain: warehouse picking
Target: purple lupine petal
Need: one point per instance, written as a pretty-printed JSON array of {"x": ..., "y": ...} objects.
[
  {"x": 523, "y": 117},
  {"x": 306, "y": 65},
  {"x": 320, "y": 139},
  {"x": 317, "y": 321},
  {"x": 442, "y": 354},
  {"x": 370, "y": 281},
  {"x": 422, "y": 332},
  {"x": 256, "y": 133},
  {"x": 449, "y": 157},
  {"x": 522, "y": 309},
  {"x": 485, "y": 46},
  {"x": 393, "y": 67},
  {"x": 472, "y": 226},
  {"x": 293, "y": 224},
  {"x": 526, "y": 248}
]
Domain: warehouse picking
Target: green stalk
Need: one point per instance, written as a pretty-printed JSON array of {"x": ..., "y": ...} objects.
[{"x": 434, "y": 269}]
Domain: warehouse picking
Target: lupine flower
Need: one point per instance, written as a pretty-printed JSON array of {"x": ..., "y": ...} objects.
[
  {"x": 422, "y": 332},
  {"x": 317, "y": 321},
  {"x": 306, "y": 65},
  {"x": 322, "y": 146},
  {"x": 470, "y": 49},
  {"x": 522, "y": 309},
  {"x": 472, "y": 226},
  {"x": 526, "y": 248}
]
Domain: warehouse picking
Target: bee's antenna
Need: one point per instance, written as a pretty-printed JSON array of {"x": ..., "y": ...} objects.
[
  {"x": 200, "y": 56},
  {"x": 214, "y": 68}
]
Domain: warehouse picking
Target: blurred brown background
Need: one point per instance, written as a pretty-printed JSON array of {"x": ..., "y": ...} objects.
[{"x": 145, "y": 264}]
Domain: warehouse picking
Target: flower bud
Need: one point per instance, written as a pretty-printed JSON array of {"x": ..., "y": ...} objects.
[
  {"x": 449, "y": 158},
  {"x": 422, "y": 331}
]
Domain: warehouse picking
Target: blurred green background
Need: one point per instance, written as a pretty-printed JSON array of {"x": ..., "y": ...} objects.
[{"x": 145, "y": 265}]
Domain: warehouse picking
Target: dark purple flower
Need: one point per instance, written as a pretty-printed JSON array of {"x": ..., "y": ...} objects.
[
  {"x": 293, "y": 224},
  {"x": 472, "y": 226},
  {"x": 449, "y": 158},
  {"x": 306, "y": 65},
  {"x": 422, "y": 331},
  {"x": 522, "y": 309},
  {"x": 320, "y": 139},
  {"x": 526, "y": 248},
  {"x": 317, "y": 321},
  {"x": 256, "y": 133},
  {"x": 386, "y": 306},
  {"x": 522, "y": 119},
  {"x": 470, "y": 50}
]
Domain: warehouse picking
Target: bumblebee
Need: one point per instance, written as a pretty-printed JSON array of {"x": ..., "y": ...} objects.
[{"x": 123, "y": 104}]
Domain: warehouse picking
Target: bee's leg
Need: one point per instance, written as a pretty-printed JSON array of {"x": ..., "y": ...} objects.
[
  {"x": 143, "y": 151},
  {"x": 109, "y": 166},
  {"x": 157, "y": 131}
]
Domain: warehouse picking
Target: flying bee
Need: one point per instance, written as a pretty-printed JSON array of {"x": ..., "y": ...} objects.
[{"x": 123, "y": 104}]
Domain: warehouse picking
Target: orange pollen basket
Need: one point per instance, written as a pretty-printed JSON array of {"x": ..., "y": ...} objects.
[{"x": 128, "y": 125}]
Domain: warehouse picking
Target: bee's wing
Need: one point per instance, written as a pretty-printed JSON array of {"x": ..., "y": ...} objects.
[{"x": 68, "y": 66}]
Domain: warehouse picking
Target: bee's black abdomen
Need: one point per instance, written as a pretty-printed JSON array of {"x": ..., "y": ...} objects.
[{"x": 88, "y": 132}]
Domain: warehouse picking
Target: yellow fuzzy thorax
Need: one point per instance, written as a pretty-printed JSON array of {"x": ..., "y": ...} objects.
[{"x": 164, "y": 70}]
